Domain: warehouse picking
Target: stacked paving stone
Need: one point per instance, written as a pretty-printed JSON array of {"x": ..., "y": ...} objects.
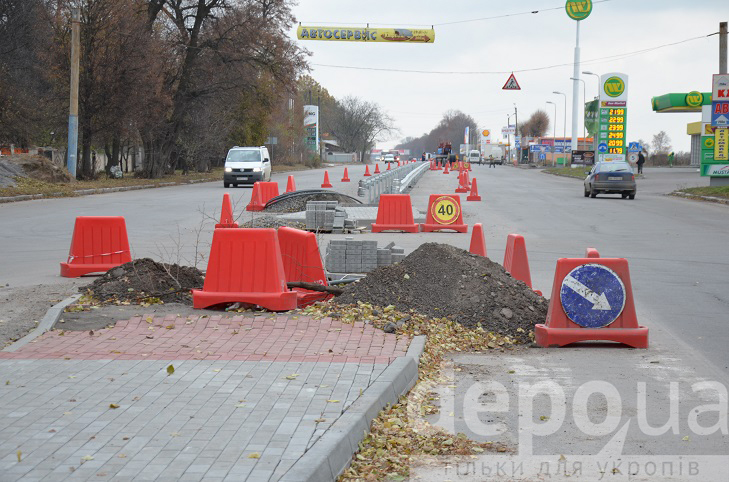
[
  {"x": 350, "y": 256},
  {"x": 321, "y": 215}
]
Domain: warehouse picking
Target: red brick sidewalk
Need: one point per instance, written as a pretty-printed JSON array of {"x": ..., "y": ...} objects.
[{"x": 273, "y": 338}]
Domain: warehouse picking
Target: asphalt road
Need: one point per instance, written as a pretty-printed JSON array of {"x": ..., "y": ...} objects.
[{"x": 674, "y": 246}]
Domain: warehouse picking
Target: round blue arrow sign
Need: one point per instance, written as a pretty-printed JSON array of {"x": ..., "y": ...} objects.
[
  {"x": 602, "y": 147},
  {"x": 592, "y": 295}
]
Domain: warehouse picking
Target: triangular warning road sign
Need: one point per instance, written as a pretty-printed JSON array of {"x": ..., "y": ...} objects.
[{"x": 511, "y": 84}]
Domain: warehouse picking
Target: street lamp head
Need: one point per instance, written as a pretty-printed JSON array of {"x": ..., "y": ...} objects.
[
  {"x": 560, "y": 93},
  {"x": 588, "y": 72},
  {"x": 550, "y": 102}
]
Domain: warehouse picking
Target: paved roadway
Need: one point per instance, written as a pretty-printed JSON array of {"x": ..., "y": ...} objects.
[{"x": 675, "y": 246}]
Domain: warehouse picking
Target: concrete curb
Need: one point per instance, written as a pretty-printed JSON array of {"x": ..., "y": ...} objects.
[
  {"x": 332, "y": 454},
  {"x": 50, "y": 319},
  {"x": 102, "y": 190},
  {"x": 711, "y": 199}
]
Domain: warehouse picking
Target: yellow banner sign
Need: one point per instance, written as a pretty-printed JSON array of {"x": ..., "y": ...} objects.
[
  {"x": 721, "y": 146},
  {"x": 352, "y": 34}
]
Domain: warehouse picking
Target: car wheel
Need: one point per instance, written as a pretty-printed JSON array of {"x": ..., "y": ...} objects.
[
  {"x": 631, "y": 196},
  {"x": 587, "y": 193},
  {"x": 624, "y": 195},
  {"x": 593, "y": 193},
  {"x": 226, "y": 184},
  {"x": 235, "y": 184}
]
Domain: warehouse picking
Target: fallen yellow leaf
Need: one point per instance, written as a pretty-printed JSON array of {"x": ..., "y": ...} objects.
[
  {"x": 113, "y": 405},
  {"x": 170, "y": 370},
  {"x": 254, "y": 455}
]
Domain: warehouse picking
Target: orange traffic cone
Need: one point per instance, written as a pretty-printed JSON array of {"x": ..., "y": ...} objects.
[
  {"x": 388, "y": 166},
  {"x": 226, "y": 214},
  {"x": 478, "y": 241},
  {"x": 377, "y": 168},
  {"x": 291, "y": 185},
  {"x": 474, "y": 192},
  {"x": 346, "y": 175},
  {"x": 367, "y": 171},
  {"x": 445, "y": 171},
  {"x": 326, "y": 182}
]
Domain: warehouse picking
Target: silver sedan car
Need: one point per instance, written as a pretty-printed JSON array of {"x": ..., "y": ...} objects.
[{"x": 611, "y": 178}]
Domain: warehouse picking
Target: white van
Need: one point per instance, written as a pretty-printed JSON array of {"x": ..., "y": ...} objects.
[
  {"x": 246, "y": 165},
  {"x": 474, "y": 157}
]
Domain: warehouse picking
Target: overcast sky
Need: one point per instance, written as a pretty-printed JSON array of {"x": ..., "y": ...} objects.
[{"x": 531, "y": 41}]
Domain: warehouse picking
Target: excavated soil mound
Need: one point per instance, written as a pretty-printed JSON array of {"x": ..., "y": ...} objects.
[
  {"x": 144, "y": 278},
  {"x": 30, "y": 165},
  {"x": 440, "y": 280}
]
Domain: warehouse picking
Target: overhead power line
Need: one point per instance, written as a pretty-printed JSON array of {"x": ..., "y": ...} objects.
[
  {"x": 516, "y": 71},
  {"x": 455, "y": 22}
]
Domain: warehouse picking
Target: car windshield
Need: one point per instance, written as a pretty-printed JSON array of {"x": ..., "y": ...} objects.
[
  {"x": 244, "y": 155},
  {"x": 615, "y": 167}
]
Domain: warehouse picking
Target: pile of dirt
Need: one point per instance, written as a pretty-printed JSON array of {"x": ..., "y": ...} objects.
[
  {"x": 272, "y": 222},
  {"x": 144, "y": 279},
  {"x": 30, "y": 165},
  {"x": 439, "y": 280}
]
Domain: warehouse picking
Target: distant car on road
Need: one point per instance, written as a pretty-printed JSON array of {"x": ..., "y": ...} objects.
[
  {"x": 389, "y": 158},
  {"x": 611, "y": 178}
]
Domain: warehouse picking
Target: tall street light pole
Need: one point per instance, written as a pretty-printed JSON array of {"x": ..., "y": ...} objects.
[
  {"x": 516, "y": 133},
  {"x": 564, "y": 131},
  {"x": 554, "y": 133},
  {"x": 584, "y": 98},
  {"x": 597, "y": 96},
  {"x": 71, "y": 158},
  {"x": 575, "y": 88}
]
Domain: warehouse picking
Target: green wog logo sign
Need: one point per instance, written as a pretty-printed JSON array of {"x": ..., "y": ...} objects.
[
  {"x": 578, "y": 9},
  {"x": 694, "y": 99},
  {"x": 614, "y": 87}
]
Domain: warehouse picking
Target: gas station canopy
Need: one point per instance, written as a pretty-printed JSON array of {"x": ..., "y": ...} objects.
[{"x": 690, "y": 102}]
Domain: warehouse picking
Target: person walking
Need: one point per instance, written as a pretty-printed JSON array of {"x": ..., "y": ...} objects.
[
  {"x": 423, "y": 158},
  {"x": 641, "y": 161},
  {"x": 492, "y": 162}
]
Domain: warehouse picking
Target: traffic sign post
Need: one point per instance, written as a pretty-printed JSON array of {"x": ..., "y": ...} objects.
[{"x": 592, "y": 299}]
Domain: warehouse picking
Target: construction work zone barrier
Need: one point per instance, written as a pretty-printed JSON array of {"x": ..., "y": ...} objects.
[
  {"x": 367, "y": 171},
  {"x": 444, "y": 212},
  {"x": 396, "y": 181},
  {"x": 262, "y": 193},
  {"x": 326, "y": 182},
  {"x": 226, "y": 214},
  {"x": 388, "y": 166},
  {"x": 463, "y": 183},
  {"x": 291, "y": 184},
  {"x": 516, "y": 261},
  {"x": 302, "y": 262},
  {"x": 592, "y": 299},
  {"x": 445, "y": 170},
  {"x": 245, "y": 266},
  {"x": 345, "y": 178},
  {"x": 395, "y": 213},
  {"x": 377, "y": 168},
  {"x": 99, "y": 243},
  {"x": 474, "y": 196},
  {"x": 478, "y": 241},
  {"x": 591, "y": 253}
]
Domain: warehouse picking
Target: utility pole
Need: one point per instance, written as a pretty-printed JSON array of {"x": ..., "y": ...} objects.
[
  {"x": 71, "y": 157},
  {"x": 516, "y": 133},
  {"x": 575, "y": 96},
  {"x": 722, "y": 47}
]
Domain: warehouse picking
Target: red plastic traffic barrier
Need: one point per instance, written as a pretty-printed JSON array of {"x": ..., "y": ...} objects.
[
  {"x": 367, "y": 171},
  {"x": 302, "y": 262},
  {"x": 478, "y": 241},
  {"x": 326, "y": 182},
  {"x": 346, "y": 176},
  {"x": 226, "y": 214},
  {"x": 99, "y": 243},
  {"x": 444, "y": 212},
  {"x": 377, "y": 168},
  {"x": 474, "y": 196},
  {"x": 516, "y": 261},
  {"x": 462, "y": 182},
  {"x": 245, "y": 266},
  {"x": 560, "y": 330},
  {"x": 395, "y": 213},
  {"x": 291, "y": 184},
  {"x": 591, "y": 253},
  {"x": 262, "y": 193}
]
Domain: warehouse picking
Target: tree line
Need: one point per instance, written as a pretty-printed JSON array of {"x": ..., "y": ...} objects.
[{"x": 182, "y": 79}]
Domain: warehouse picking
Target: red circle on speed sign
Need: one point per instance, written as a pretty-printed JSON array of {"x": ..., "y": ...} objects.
[{"x": 445, "y": 210}]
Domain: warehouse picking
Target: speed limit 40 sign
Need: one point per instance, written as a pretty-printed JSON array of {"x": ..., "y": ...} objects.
[{"x": 444, "y": 212}]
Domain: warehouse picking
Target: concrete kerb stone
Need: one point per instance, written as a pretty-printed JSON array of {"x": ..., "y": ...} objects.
[
  {"x": 332, "y": 454},
  {"x": 45, "y": 324}
]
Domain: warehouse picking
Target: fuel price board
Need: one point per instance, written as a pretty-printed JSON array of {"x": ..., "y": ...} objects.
[{"x": 612, "y": 116}]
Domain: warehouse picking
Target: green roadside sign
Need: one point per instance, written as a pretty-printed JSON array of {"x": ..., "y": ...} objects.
[{"x": 578, "y": 9}]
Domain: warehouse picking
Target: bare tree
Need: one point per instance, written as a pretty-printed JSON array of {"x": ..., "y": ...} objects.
[
  {"x": 536, "y": 126},
  {"x": 357, "y": 124},
  {"x": 450, "y": 129},
  {"x": 661, "y": 143}
]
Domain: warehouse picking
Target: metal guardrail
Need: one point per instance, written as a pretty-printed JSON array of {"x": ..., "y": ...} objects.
[{"x": 394, "y": 181}]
